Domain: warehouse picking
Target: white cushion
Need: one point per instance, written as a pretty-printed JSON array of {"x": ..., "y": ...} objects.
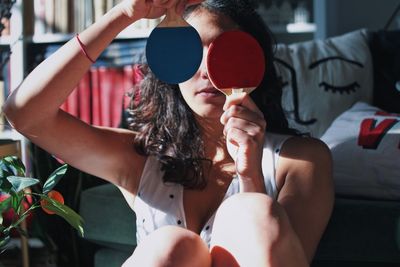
[
  {"x": 319, "y": 103},
  {"x": 365, "y": 145}
]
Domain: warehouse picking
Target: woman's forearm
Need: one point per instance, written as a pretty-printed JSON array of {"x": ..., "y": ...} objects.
[
  {"x": 44, "y": 90},
  {"x": 254, "y": 185}
]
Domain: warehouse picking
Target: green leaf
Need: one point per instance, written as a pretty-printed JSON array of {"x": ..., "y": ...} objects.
[
  {"x": 4, "y": 241},
  {"x": 5, "y": 186},
  {"x": 74, "y": 219},
  {"x": 13, "y": 164},
  {"x": 19, "y": 183},
  {"x": 16, "y": 199},
  {"x": 54, "y": 178},
  {"x": 6, "y": 169}
]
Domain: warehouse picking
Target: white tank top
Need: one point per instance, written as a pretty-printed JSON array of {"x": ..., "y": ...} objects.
[{"x": 159, "y": 204}]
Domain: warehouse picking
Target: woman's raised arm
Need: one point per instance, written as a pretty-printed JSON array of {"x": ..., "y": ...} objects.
[{"x": 33, "y": 108}]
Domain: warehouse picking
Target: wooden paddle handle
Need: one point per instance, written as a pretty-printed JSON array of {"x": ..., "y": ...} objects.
[
  {"x": 247, "y": 90},
  {"x": 237, "y": 90}
]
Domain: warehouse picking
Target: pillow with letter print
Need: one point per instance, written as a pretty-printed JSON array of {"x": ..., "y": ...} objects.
[
  {"x": 365, "y": 146},
  {"x": 323, "y": 78}
]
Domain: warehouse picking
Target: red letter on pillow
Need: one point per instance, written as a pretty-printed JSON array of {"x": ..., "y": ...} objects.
[{"x": 371, "y": 135}]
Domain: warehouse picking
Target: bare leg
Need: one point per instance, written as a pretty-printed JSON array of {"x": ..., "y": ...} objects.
[
  {"x": 170, "y": 246},
  {"x": 251, "y": 229}
]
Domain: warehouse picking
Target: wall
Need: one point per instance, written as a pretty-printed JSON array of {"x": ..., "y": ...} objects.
[{"x": 335, "y": 17}]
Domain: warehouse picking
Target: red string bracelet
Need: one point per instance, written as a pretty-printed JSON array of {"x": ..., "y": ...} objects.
[{"x": 83, "y": 49}]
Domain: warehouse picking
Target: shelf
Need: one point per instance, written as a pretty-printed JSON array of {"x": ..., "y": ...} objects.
[
  {"x": 11, "y": 134},
  {"x": 301, "y": 27},
  {"x": 277, "y": 28},
  {"x": 129, "y": 33},
  {"x": 293, "y": 28},
  {"x": 49, "y": 38}
]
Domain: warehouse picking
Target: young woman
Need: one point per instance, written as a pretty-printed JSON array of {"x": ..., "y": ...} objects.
[{"x": 265, "y": 204}]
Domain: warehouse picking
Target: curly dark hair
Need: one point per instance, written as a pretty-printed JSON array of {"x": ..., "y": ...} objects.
[{"x": 166, "y": 125}]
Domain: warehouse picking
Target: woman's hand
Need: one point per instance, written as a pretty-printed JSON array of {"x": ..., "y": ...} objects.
[
  {"x": 244, "y": 128},
  {"x": 150, "y": 9}
]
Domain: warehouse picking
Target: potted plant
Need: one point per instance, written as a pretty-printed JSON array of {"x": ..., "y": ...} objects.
[{"x": 15, "y": 186}]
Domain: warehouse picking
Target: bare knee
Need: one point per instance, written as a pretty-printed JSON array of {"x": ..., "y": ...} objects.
[
  {"x": 250, "y": 213},
  {"x": 171, "y": 246},
  {"x": 253, "y": 228}
]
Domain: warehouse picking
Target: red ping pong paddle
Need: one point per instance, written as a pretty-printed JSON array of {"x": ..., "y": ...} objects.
[
  {"x": 174, "y": 49},
  {"x": 235, "y": 62}
]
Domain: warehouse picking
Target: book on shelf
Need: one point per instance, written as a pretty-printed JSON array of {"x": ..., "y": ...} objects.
[
  {"x": 84, "y": 99},
  {"x": 70, "y": 16},
  {"x": 99, "y": 9},
  {"x": 95, "y": 101},
  {"x": 49, "y": 10},
  {"x": 40, "y": 22},
  {"x": 117, "y": 97},
  {"x": 88, "y": 16},
  {"x": 106, "y": 76},
  {"x": 73, "y": 103},
  {"x": 111, "y": 95},
  {"x": 61, "y": 16}
]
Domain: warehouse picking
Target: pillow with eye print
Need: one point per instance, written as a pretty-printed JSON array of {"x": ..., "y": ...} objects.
[
  {"x": 365, "y": 146},
  {"x": 323, "y": 78}
]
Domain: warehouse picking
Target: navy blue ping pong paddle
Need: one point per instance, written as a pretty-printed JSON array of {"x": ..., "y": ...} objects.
[{"x": 174, "y": 50}]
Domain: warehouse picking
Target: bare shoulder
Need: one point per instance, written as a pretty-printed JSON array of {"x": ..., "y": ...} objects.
[
  {"x": 305, "y": 158},
  {"x": 305, "y": 148}
]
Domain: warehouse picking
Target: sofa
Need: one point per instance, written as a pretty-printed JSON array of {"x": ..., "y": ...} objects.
[{"x": 344, "y": 90}]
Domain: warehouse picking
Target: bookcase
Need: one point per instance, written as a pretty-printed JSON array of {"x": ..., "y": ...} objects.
[{"x": 12, "y": 48}]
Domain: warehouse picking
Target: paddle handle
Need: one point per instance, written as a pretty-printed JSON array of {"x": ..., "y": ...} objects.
[
  {"x": 247, "y": 90},
  {"x": 237, "y": 90}
]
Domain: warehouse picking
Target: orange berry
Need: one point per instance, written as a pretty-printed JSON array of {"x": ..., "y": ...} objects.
[{"x": 55, "y": 195}]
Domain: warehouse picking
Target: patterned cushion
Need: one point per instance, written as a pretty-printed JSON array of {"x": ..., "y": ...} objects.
[
  {"x": 323, "y": 78},
  {"x": 365, "y": 146}
]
